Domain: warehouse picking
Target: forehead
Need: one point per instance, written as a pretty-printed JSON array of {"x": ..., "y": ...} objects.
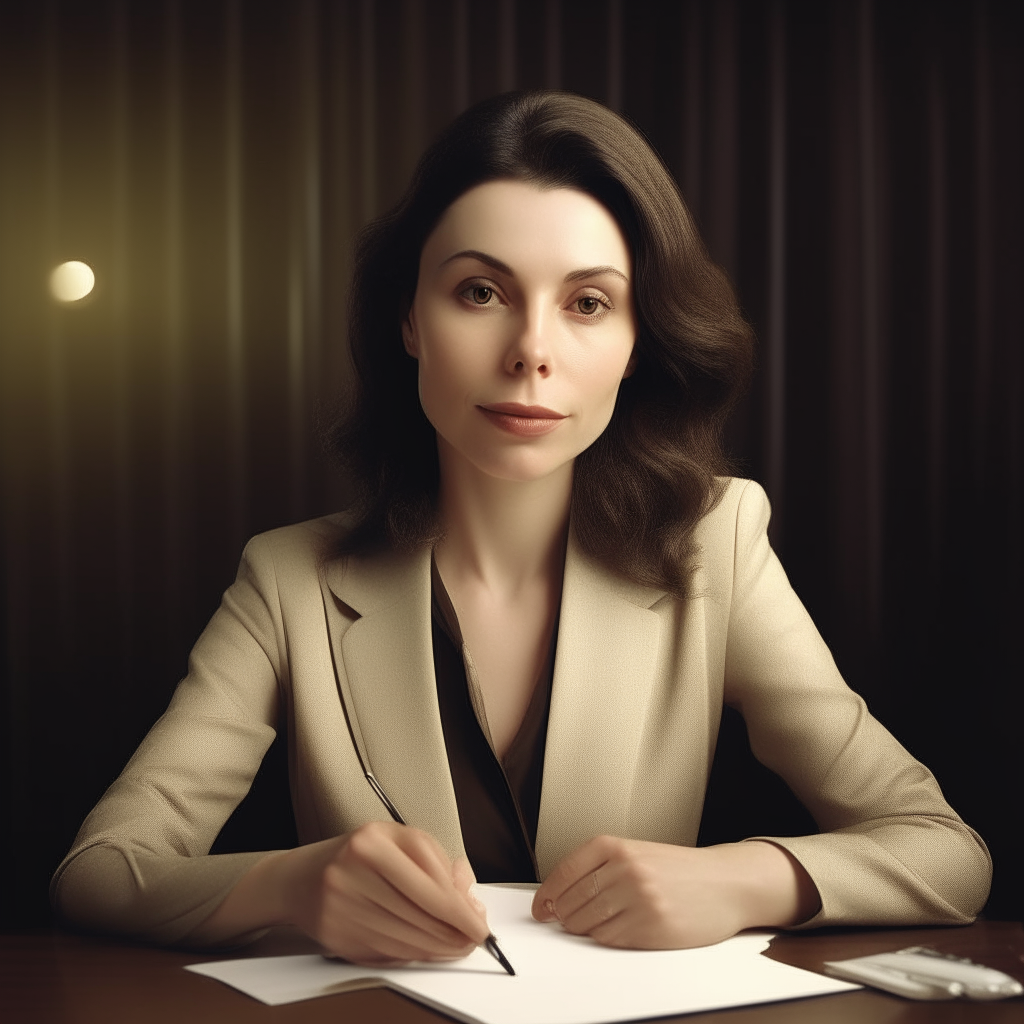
[{"x": 526, "y": 225}]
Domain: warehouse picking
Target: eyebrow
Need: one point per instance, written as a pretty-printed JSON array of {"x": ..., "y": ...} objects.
[
  {"x": 504, "y": 268},
  {"x": 476, "y": 254},
  {"x": 579, "y": 275}
]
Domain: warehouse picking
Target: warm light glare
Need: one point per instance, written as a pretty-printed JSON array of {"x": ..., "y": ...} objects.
[{"x": 72, "y": 281}]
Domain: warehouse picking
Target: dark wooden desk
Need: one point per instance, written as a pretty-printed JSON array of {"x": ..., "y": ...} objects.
[{"x": 55, "y": 978}]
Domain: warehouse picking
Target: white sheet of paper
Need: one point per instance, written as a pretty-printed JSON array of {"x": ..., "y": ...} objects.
[{"x": 560, "y": 978}]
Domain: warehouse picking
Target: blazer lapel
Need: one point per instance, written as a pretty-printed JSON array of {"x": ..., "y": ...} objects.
[
  {"x": 605, "y": 669},
  {"x": 605, "y": 672},
  {"x": 384, "y": 661}
]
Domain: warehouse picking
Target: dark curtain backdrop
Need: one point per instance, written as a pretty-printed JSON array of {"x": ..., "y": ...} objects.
[{"x": 855, "y": 166}]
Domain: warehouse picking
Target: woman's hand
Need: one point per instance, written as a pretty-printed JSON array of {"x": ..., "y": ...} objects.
[
  {"x": 383, "y": 893},
  {"x": 388, "y": 893},
  {"x": 632, "y": 894}
]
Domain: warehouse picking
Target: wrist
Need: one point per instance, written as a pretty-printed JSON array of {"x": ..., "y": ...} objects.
[
  {"x": 777, "y": 890},
  {"x": 252, "y": 904},
  {"x": 293, "y": 881},
  {"x": 274, "y": 889}
]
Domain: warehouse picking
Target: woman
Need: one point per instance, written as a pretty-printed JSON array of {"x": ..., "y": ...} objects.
[{"x": 518, "y": 644}]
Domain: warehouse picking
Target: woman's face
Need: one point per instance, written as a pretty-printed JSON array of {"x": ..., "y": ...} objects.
[{"x": 523, "y": 326}]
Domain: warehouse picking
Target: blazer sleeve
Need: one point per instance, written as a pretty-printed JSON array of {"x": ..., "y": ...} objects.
[
  {"x": 140, "y": 865},
  {"x": 891, "y": 850}
]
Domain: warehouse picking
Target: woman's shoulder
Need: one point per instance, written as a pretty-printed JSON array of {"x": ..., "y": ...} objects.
[
  {"x": 309, "y": 534},
  {"x": 299, "y": 548},
  {"x": 730, "y": 533},
  {"x": 312, "y": 553},
  {"x": 741, "y": 507}
]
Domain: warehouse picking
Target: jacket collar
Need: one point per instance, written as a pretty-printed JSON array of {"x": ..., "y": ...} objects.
[{"x": 605, "y": 669}]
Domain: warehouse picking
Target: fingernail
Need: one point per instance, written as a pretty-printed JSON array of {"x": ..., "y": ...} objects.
[{"x": 549, "y": 906}]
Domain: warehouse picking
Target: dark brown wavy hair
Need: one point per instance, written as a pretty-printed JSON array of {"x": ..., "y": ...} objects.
[{"x": 641, "y": 487}]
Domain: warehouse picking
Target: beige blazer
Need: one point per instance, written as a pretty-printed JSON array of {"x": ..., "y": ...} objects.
[{"x": 640, "y": 679}]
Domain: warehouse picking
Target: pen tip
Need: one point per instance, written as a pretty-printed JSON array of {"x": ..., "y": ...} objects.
[{"x": 495, "y": 950}]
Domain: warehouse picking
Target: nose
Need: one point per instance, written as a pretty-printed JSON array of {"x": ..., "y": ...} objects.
[{"x": 530, "y": 350}]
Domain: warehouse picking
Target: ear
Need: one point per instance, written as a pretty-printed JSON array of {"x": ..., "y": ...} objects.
[{"x": 409, "y": 339}]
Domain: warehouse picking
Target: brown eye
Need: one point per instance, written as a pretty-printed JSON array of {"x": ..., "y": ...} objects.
[
  {"x": 481, "y": 295},
  {"x": 588, "y": 305}
]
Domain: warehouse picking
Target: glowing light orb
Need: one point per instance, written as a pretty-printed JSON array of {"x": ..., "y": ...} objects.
[{"x": 71, "y": 281}]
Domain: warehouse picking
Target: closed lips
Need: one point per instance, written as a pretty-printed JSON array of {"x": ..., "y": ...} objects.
[
  {"x": 538, "y": 412},
  {"x": 522, "y": 420}
]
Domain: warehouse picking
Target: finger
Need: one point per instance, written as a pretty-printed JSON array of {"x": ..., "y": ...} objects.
[
  {"x": 617, "y": 932},
  {"x": 423, "y": 936},
  {"x": 568, "y": 872},
  {"x": 427, "y": 951},
  {"x": 358, "y": 952},
  {"x": 355, "y": 883},
  {"x": 411, "y": 891},
  {"x": 391, "y": 942},
  {"x": 581, "y": 894},
  {"x": 426, "y": 852},
  {"x": 465, "y": 882},
  {"x": 443, "y": 902},
  {"x": 462, "y": 874},
  {"x": 588, "y": 906},
  {"x": 452, "y": 883},
  {"x": 371, "y": 899}
]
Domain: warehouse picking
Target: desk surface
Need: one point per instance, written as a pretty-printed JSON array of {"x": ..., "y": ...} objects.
[{"x": 55, "y": 978}]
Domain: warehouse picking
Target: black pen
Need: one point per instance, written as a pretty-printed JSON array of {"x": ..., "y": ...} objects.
[{"x": 491, "y": 943}]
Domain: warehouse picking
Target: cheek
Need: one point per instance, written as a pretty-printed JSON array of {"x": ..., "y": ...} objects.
[
  {"x": 440, "y": 369},
  {"x": 447, "y": 370},
  {"x": 431, "y": 352},
  {"x": 456, "y": 354},
  {"x": 436, "y": 391},
  {"x": 599, "y": 378}
]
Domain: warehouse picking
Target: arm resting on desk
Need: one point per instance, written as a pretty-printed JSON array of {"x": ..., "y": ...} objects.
[
  {"x": 140, "y": 865},
  {"x": 162, "y": 899},
  {"x": 891, "y": 851}
]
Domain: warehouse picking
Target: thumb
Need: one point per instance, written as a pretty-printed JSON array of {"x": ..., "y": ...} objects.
[{"x": 464, "y": 880}]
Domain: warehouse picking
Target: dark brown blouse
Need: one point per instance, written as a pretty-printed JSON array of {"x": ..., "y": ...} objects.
[{"x": 498, "y": 800}]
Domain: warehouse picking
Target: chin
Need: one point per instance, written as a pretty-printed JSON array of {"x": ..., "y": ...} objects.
[{"x": 523, "y": 467}]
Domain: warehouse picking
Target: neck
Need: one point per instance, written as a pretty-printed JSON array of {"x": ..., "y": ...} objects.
[{"x": 503, "y": 534}]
